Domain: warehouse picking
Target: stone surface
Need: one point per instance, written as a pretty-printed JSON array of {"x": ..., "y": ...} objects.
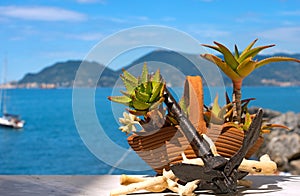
[
  {"x": 102, "y": 185},
  {"x": 283, "y": 146},
  {"x": 295, "y": 166}
]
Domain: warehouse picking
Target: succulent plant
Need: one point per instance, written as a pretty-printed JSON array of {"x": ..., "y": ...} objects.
[
  {"x": 219, "y": 115},
  {"x": 144, "y": 93},
  {"x": 224, "y": 116},
  {"x": 238, "y": 65}
]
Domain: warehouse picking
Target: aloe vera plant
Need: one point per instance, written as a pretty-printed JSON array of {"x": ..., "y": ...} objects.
[
  {"x": 238, "y": 65},
  {"x": 223, "y": 116},
  {"x": 219, "y": 115},
  {"x": 144, "y": 96},
  {"x": 143, "y": 93}
]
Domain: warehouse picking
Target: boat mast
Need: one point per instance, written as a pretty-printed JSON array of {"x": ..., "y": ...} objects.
[{"x": 3, "y": 93}]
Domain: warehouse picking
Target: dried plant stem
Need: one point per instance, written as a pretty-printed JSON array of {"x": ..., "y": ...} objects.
[{"x": 236, "y": 99}]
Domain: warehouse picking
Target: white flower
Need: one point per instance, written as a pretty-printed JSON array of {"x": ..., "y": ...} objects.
[{"x": 129, "y": 123}]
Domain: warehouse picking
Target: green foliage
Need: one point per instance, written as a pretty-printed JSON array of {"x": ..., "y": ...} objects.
[
  {"x": 224, "y": 116},
  {"x": 237, "y": 66},
  {"x": 219, "y": 115},
  {"x": 143, "y": 93}
]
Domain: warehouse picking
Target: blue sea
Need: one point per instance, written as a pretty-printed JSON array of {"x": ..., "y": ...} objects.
[{"x": 56, "y": 140}]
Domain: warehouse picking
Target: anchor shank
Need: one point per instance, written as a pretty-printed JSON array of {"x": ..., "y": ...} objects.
[{"x": 199, "y": 145}]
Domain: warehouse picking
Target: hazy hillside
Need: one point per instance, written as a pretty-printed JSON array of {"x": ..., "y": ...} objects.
[
  {"x": 174, "y": 67},
  {"x": 285, "y": 72},
  {"x": 63, "y": 74}
]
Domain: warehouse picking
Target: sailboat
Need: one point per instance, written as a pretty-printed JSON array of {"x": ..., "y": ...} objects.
[{"x": 9, "y": 120}]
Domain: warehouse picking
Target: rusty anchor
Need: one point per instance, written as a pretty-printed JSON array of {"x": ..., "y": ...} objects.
[{"x": 218, "y": 174}]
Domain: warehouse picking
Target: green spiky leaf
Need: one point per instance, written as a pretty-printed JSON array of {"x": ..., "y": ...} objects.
[
  {"x": 228, "y": 57},
  {"x": 120, "y": 99},
  {"x": 139, "y": 105},
  {"x": 126, "y": 93},
  {"x": 228, "y": 114},
  {"x": 223, "y": 66},
  {"x": 253, "y": 52},
  {"x": 156, "y": 91},
  {"x": 216, "y": 108},
  {"x": 129, "y": 84},
  {"x": 274, "y": 60},
  {"x": 145, "y": 75},
  {"x": 142, "y": 96},
  {"x": 148, "y": 87},
  {"x": 224, "y": 110},
  {"x": 156, "y": 77},
  {"x": 247, "y": 122},
  {"x": 183, "y": 106},
  {"x": 249, "y": 47},
  {"x": 212, "y": 47},
  {"x": 128, "y": 76},
  {"x": 236, "y": 52},
  {"x": 246, "y": 67}
]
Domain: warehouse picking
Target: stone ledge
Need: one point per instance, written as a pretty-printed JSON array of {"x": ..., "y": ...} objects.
[{"x": 64, "y": 185}]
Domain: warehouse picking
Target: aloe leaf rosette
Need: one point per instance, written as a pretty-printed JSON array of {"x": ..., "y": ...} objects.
[
  {"x": 238, "y": 65},
  {"x": 223, "y": 116},
  {"x": 143, "y": 93}
]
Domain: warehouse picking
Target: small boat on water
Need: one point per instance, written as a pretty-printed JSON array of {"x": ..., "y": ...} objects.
[{"x": 9, "y": 120}]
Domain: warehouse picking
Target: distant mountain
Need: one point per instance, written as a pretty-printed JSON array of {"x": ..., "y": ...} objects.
[
  {"x": 278, "y": 74},
  {"x": 63, "y": 74},
  {"x": 174, "y": 66}
]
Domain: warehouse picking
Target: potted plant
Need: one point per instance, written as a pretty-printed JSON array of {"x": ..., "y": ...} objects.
[
  {"x": 159, "y": 142},
  {"x": 147, "y": 123},
  {"x": 237, "y": 66},
  {"x": 233, "y": 120}
]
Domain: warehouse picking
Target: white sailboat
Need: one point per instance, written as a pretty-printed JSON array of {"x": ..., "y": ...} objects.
[{"x": 8, "y": 120}]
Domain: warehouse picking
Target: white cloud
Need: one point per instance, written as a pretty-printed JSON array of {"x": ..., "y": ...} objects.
[
  {"x": 41, "y": 13},
  {"x": 211, "y": 33},
  {"x": 91, "y": 1},
  {"x": 63, "y": 54},
  {"x": 250, "y": 17},
  {"x": 115, "y": 20},
  {"x": 291, "y": 13},
  {"x": 125, "y": 20},
  {"x": 286, "y": 39},
  {"x": 142, "y": 18},
  {"x": 87, "y": 36},
  {"x": 286, "y": 34}
]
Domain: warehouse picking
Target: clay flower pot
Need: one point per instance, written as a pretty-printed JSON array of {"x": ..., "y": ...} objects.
[
  {"x": 163, "y": 147},
  {"x": 229, "y": 141}
]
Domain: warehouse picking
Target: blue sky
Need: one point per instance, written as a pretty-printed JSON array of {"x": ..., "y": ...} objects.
[{"x": 35, "y": 34}]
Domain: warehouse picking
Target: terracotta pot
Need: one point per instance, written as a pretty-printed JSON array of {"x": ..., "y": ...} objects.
[
  {"x": 163, "y": 148},
  {"x": 229, "y": 141}
]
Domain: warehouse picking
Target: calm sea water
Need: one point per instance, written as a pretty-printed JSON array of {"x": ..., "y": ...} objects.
[{"x": 50, "y": 143}]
